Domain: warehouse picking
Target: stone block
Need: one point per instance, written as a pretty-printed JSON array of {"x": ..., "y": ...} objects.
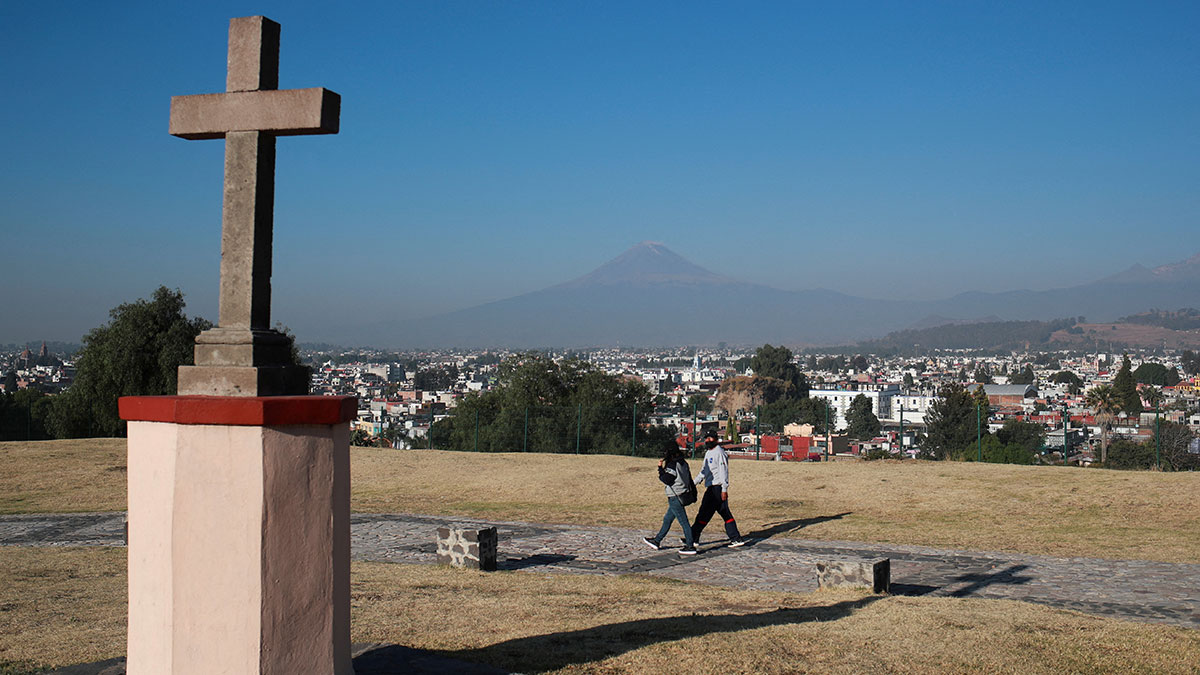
[
  {"x": 243, "y": 380},
  {"x": 467, "y": 546},
  {"x": 280, "y": 112},
  {"x": 875, "y": 574}
]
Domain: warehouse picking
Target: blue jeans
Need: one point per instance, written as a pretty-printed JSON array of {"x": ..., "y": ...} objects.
[{"x": 675, "y": 511}]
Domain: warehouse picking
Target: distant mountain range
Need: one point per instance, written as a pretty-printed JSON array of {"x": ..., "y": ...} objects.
[{"x": 650, "y": 296}]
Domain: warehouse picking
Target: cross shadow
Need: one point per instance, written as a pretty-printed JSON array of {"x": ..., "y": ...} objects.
[
  {"x": 981, "y": 580},
  {"x": 793, "y": 525},
  {"x": 911, "y": 589},
  {"x": 536, "y": 560},
  {"x": 555, "y": 651}
]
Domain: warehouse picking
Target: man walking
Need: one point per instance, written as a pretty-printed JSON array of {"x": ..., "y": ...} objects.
[{"x": 716, "y": 493}]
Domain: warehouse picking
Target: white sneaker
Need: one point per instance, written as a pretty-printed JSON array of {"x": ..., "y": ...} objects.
[{"x": 737, "y": 542}]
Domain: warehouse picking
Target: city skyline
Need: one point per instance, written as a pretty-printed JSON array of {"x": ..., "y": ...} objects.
[{"x": 489, "y": 151}]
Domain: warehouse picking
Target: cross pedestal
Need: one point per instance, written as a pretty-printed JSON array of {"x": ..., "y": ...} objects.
[
  {"x": 239, "y": 488},
  {"x": 239, "y": 534}
]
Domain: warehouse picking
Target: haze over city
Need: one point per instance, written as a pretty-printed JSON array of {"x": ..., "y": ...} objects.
[{"x": 487, "y": 151}]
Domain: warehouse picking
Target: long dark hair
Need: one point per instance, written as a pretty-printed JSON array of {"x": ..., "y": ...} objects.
[{"x": 671, "y": 451}]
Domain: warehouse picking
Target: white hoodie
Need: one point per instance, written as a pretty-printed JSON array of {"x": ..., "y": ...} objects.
[{"x": 716, "y": 468}]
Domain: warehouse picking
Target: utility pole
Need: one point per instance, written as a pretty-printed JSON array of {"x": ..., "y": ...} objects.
[
  {"x": 1066, "y": 433},
  {"x": 757, "y": 437},
  {"x": 978, "y": 432},
  {"x": 828, "y": 431},
  {"x": 633, "y": 438},
  {"x": 1157, "y": 439},
  {"x": 692, "y": 451}
]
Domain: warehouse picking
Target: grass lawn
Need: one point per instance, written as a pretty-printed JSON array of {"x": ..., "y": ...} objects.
[
  {"x": 67, "y": 605},
  {"x": 1046, "y": 510}
]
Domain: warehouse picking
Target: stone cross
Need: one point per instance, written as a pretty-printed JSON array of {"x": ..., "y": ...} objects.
[{"x": 243, "y": 356}]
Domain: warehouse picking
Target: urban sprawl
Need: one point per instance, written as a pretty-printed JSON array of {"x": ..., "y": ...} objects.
[{"x": 401, "y": 395}]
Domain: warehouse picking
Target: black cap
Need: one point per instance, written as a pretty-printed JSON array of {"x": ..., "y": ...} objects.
[{"x": 711, "y": 434}]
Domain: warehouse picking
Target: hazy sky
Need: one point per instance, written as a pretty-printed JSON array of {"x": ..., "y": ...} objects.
[{"x": 897, "y": 150}]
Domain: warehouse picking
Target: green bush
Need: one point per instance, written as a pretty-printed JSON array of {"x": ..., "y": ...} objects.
[{"x": 1124, "y": 453}]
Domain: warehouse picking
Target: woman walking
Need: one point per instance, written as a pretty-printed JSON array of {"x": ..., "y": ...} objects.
[{"x": 674, "y": 472}]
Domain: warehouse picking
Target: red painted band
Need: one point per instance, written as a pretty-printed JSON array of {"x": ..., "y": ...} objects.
[
  {"x": 262, "y": 411},
  {"x": 729, "y": 521}
]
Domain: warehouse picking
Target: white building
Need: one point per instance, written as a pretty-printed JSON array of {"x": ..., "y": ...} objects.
[
  {"x": 881, "y": 397},
  {"x": 914, "y": 406}
]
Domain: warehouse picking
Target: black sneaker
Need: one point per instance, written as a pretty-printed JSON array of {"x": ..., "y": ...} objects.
[
  {"x": 684, "y": 542},
  {"x": 687, "y": 550},
  {"x": 652, "y": 543},
  {"x": 737, "y": 542}
]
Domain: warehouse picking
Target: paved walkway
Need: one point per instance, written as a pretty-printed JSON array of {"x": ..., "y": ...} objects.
[{"x": 1129, "y": 589}]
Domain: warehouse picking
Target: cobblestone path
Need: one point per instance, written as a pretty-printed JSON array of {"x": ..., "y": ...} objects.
[{"x": 1130, "y": 589}]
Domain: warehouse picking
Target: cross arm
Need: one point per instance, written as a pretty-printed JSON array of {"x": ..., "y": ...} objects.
[{"x": 286, "y": 112}]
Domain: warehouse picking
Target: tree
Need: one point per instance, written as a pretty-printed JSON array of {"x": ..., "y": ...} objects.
[
  {"x": 777, "y": 362},
  {"x": 10, "y": 382},
  {"x": 1026, "y": 376},
  {"x": 23, "y": 415},
  {"x": 137, "y": 353},
  {"x": 1174, "y": 443},
  {"x": 908, "y": 381},
  {"x": 1104, "y": 401},
  {"x": 980, "y": 397},
  {"x": 982, "y": 376},
  {"x": 1152, "y": 396},
  {"x": 859, "y": 363},
  {"x": 1028, "y": 435},
  {"x": 1126, "y": 389},
  {"x": 996, "y": 451},
  {"x": 807, "y": 410},
  {"x": 542, "y": 405},
  {"x": 951, "y": 423},
  {"x": 1129, "y": 454},
  {"x": 833, "y": 364},
  {"x": 1191, "y": 362},
  {"x": 1156, "y": 373},
  {"x": 661, "y": 402},
  {"x": 861, "y": 422},
  {"x": 437, "y": 378},
  {"x": 700, "y": 403},
  {"x": 1074, "y": 384}
]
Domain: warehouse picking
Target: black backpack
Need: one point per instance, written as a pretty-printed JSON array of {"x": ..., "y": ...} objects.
[{"x": 690, "y": 494}]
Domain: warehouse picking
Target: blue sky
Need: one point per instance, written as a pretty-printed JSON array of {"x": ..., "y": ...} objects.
[{"x": 897, "y": 150}]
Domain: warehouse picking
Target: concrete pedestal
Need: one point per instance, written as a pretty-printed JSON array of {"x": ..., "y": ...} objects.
[{"x": 239, "y": 534}]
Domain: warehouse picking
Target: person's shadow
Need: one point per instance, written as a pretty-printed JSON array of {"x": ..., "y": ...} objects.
[
  {"x": 786, "y": 526},
  {"x": 554, "y": 651}
]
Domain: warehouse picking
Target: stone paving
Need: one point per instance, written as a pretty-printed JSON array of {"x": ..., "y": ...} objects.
[{"x": 1129, "y": 589}]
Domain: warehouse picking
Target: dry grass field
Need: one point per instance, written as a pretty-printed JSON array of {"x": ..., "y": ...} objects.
[
  {"x": 62, "y": 476},
  {"x": 1043, "y": 510},
  {"x": 64, "y": 606}
]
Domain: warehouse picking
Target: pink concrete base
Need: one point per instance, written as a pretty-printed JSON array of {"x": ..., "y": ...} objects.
[{"x": 239, "y": 539}]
